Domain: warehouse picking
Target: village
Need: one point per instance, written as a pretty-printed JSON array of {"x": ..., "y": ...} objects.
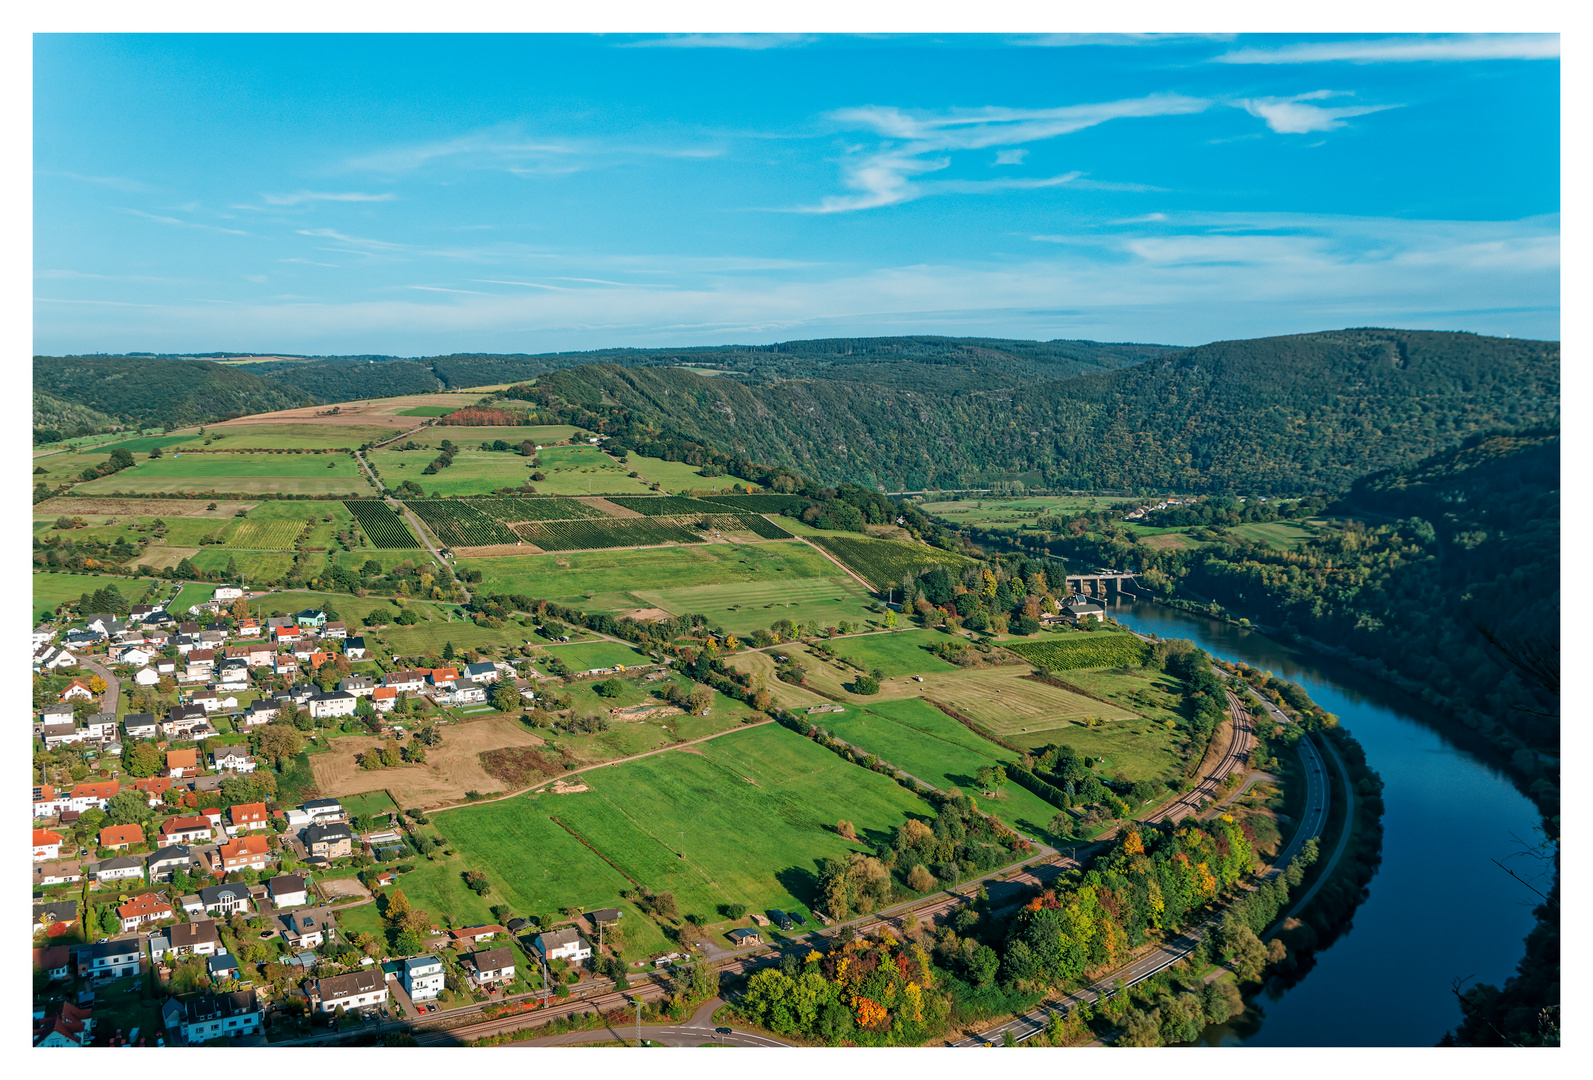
[{"x": 177, "y": 901}]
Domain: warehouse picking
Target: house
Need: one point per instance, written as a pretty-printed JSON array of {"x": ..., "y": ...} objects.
[
  {"x": 324, "y": 810},
  {"x": 422, "y": 977},
  {"x": 232, "y": 759},
  {"x": 1079, "y": 609},
  {"x": 154, "y": 787},
  {"x": 234, "y": 675},
  {"x": 92, "y": 794},
  {"x": 146, "y": 676},
  {"x": 139, "y": 725},
  {"x": 478, "y": 934},
  {"x": 50, "y": 912},
  {"x": 325, "y": 706},
  {"x": 605, "y": 916},
  {"x": 199, "y": 938},
  {"x": 144, "y": 908},
  {"x": 354, "y": 647},
  {"x": 334, "y": 630},
  {"x": 491, "y": 966},
  {"x": 249, "y": 815},
  {"x": 110, "y": 959},
  {"x": 47, "y": 802},
  {"x": 309, "y": 618},
  {"x": 244, "y": 851},
  {"x": 70, "y": 1025},
  {"x": 181, "y": 763},
  {"x": 285, "y": 635},
  {"x": 117, "y": 869},
  {"x": 205, "y": 699},
  {"x": 117, "y": 837},
  {"x": 99, "y": 727},
  {"x": 356, "y": 990},
  {"x": 288, "y": 890},
  {"x": 286, "y": 666},
  {"x": 407, "y": 681},
  {"x": 259, "y": 654},
  {"x": 42, "y": 635},
  {"x": 185, "y": 720},
  {"x": 262, "y": 711},
  {"x": 196, "y": 1020},
  {"x": 57, "y": 873},
  {"x": 164, "y": 666},
  {"x": 55, "y": 961},
  {"x": 329, "y": 841},
  {"x": 744, "y": 936},
  {"x": 46, "y": 845},
  {"x": 484, "y": 672},
  {"x": 222, "y": 966},
  {"x": 307, "y": 929},
  {"x": 56, "y": 714},
  {"x": 51, "y": 658},
  {"x": 162, "y": 864},
  {"x": 227, "y": 593},
  {"x": 228, "y": 898},
  {"x": 460, "y": 692},
  {"x": 358, "y": 685},
  {"x": 562, "y": 945},
  {"x": 304, "y": 651},
  {"x": 186, "y": 830},
  {"x": 248, "y": 627},
  {"x": 56, "y": 735},
  {"x": 77, "y": 690},
  {"x": 442, "y": 675},
  {"x": 139, "y": 654},
  {"x": 384, "y": 698}
]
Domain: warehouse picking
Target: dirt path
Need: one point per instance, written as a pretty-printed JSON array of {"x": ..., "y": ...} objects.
[{"x": 846, "y": 569}]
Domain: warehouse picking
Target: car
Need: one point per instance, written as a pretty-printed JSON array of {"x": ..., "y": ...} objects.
[{"x": 722, "y": 1031}]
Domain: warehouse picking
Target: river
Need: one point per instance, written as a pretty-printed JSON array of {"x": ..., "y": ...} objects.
[{"x": 1438, "y": 910}]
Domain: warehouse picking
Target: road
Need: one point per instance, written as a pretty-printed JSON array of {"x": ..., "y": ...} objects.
[
  {"x": 113, "y": 684},
  {"x": 699, "y": 1030}
]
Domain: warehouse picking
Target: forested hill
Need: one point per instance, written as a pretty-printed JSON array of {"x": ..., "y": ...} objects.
[
  {"x": 140, "y": 390},
  {"x": 1309, "y": 412}
]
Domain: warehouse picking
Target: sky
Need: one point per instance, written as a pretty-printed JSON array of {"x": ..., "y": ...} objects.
[{"x": 417, "y": 195}]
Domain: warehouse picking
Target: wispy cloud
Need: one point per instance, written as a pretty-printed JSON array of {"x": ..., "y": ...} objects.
[
  {"x": 352, "y": 241},
  {"x": 1075, "y": 40},
  {"x": 119, "y": 183},
  {"x": 885, "y": 175},
  {"x": 299, "y": 198},
  {"x": 1405, "y": 50},
  {"x": 509, "y": 148},
  {"x": 179, "y": 222},
  {"x": 1010, "y": 157},
  {"x": 1295, "y": 116},
  {"x": 721, "y": 41}
]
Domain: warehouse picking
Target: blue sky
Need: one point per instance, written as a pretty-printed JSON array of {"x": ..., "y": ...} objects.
[{"x": 421, "y": 194}]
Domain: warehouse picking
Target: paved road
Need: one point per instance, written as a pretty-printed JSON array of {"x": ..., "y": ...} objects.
[{"x": 113, "y": 684}]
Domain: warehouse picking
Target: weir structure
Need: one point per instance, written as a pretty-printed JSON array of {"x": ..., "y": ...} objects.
[{"x": 1096, "y": 584}]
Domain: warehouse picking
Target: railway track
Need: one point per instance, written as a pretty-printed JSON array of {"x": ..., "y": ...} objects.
[{"x": 1239, "y": 746}]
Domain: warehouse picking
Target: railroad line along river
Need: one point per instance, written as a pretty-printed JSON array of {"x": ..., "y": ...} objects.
[{"x": 1438, "y": 909}]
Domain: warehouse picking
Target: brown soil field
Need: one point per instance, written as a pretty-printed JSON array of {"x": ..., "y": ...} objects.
[
  {"x": 612, "y": 509},
  {"x": 645, "y": 614},
  {"x": 162, "y": 557},
  {"x": 450, "y": 769},
  {"x": 122, "y": 508},
  {"x": 380, "y": 412},
  {"x": 489, "y": 550}
]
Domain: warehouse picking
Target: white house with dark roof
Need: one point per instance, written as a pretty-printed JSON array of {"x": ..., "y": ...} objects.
[{"x": 567, "y": 944}]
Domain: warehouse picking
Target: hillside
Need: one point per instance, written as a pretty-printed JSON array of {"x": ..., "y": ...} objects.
[
  {"x": 1299, "y": 413},
  {"x": 154, "y": 391},
  {"x": 55, "y": 419}
]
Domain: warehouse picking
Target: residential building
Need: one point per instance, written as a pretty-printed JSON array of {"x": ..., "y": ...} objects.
[
  {"x": 248, "y": 627},
  {"x": 222, "y": 966},
  {"x": 358, "y": 685},
  {"x": 186, "y": 830},
  {"x": 226, "y": 899},
  {"x": 117, "y": 869},
  {"x": 491, "y": 965},
  {"x": 307, "y": 929},
  {"x": 324, "y": 810},
  {"x": 110, "y": 959},
  {"x": 232, "y": 759},
  {"x": 55, "y": 961},
  {"x": 139, "y": 725},
  {"x": 154, "y": 787},
  {"x": 286, "y": 666},
  {"x": 249, "y": 816},
  {"x": 117, "y": 837},
  {"x": 407, "y": 681},
  {"x": 201, "y": 937},
  {"x": 355, "y": 990},
  {"x": 335, "y": 704},
  {"x": 69, "y": 1025},
  {"x": 205, "y": 699},
  {"x": 146, "y": 676},
  {"x": 354, "y": 647},
  {"x": 288, "y": 890},
  {"x": 77, "y": 690},
  {"x": 330, "y": 841},
  {"x": 50, "y": 912},
  {"x": 241, "y": 852},
  {"x": 92, "y": 795},
  {"x": 57, "y": 735},
  {"x": 196, "y": 1020},
  {"x": 484, "y": 672},
  {"x": 57, "y": 873},
  {"x": 181, "y": 763},
  {"x": 384, "y": 698},
  {"x": 422, "y": 977},
  {"x": 227, "y": 593},
  {"x": 167, "y": 861},
  {"x": 439, "y": 676},
  {"x": 562, "y": 945},
  {"x": 477, "y": 934},
  {"x": 144, "y": 908},
  {"x": 46, "y": 845},
  {"x": 311, "y": 619},
  {"x": 334, "y": 630}
]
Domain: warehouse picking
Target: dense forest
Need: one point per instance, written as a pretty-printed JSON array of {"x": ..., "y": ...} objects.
[{"x": 136, "y": 390}]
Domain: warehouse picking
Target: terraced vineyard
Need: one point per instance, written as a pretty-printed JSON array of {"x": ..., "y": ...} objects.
[
  {"x": 268, "y": 535},
  {"x": 381, "y": 524},
  {"x": 761, "y": 503},
  {"x": 539, "y": 509},
  {"x": 884, "y": 562},
  {"x": 457, "y": 523},
  {"x": 1095, "y": 650},
  {"x": 665, "y": 505},
  {"x": 610, "y": 533}
]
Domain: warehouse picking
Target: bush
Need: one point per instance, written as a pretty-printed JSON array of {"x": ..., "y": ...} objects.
[{"x": 865, "y": 684}]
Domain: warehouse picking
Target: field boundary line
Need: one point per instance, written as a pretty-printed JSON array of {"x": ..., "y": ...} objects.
[
  {"x": 847, "y": 569},
  {"x": 969, "y": 722},
  {"x": 584, "y": 842}
]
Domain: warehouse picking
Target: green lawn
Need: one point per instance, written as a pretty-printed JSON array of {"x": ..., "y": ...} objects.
[
  {"x": 755, "y": 811},
  {"x": 597, "y": 654},
  {"x": 901, "y": 653},
  {"x": 191, "y": 594},
  {"x": 51, "y": 590},
  {"x": 927, "y": 743},
  {"x": 174, "y": 474},
  {"x": 606, "y": 580},
  {"x": 742, "y": 607},
  {"x": 371, "y": 802},
  {"x": 466, "y": 437},
  {"x": 1279, "y": 534},
  {"x": 678, "y": 476}
]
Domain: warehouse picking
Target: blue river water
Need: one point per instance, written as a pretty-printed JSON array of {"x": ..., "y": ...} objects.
[{"x": 1438, "y": 910}]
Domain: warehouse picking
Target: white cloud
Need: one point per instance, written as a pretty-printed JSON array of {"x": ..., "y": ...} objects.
[
  {"x": 179, "y": 223},
  {"x": 884, "y": 176},
  {"x": 1405, "y": 49},
  {"x": 1010, "y": 157},
  {"x": 1075, "y": 40},
  {"x": 507, "y": 147},
  {"x": 298, "y": 198},
  {"x": 1294, "y": 116}
]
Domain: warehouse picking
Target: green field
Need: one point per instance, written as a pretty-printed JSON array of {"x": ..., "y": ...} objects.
[
  {"x": 192, "y": 593},
  {"x": 1077, "y": 649},
  {"x": 605, "y": 580},
  {"x": 290, "y": 436},
  {"x": 930, "y": 745},
  {"x": 899, "y": 653},
  {"x": 1012, "y": 512},
  {"x": 883, "y": 563},
  {"x": 1279, "y": 534},
  {"x": 305, "y": 474},
  {"x": 597, "y": 654},
  {"x": 464, "y": 437},
  {"x": 266, "y": 535},
  {"x": 753, "y": 811},
  {"x": 426, "y": 410},
  {"x": 51, "y": 590},
  {"x": 371, "y": 802},
  {"x": 474, "y": 472},
  {"x": 254, "y": 567},
  {"x": 148, "y": 443},
  {"x": 743, "y": 607},
  {"x": 675, "y": 476},
  {"x": 585, "y": 470}
]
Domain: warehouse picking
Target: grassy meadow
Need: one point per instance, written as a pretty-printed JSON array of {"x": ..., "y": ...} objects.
[{"x": 301, "y": 474}]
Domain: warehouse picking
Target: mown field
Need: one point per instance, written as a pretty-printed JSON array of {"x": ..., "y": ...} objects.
[
  {"x": 754, "y": 813},
  {"x": 678, "y": 476},
  {"x": 585, "y": 656},
  {"x": 51, "y": 590},
  {"x": 901, "y": 653},
  {"x": 585, "y": 470},
  {"x": 473, "y": 472},
  {"x": 1074, "y": 649},
  {"x": 999, "y": 512},
  {"x": 290, "y": 436},
  {"x": 742, "y": 607},
  {"x": 1279, "y": 534},
  {"x": 304, "y": 474},
  {"x": 882, "y": 563}
]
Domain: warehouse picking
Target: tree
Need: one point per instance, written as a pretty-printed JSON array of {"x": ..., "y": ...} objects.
[
  {"x": 609, "y": 688},
  {"x": 96, "y": 685},
  {"x": 505, "y": 698},
  {"x": 700, "y": 698},
  {"x": 280, "y": 741},
  {"x": 982, "y": 965},
  {"x": 920, "y": 880},
  {"x": 140, "y": 758},
  {"x": 448, "y": 650},
  {"x": 846, "y": 830},
  {"x": 127, "y": 807},
  {"x": 865, "y": 684}
]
